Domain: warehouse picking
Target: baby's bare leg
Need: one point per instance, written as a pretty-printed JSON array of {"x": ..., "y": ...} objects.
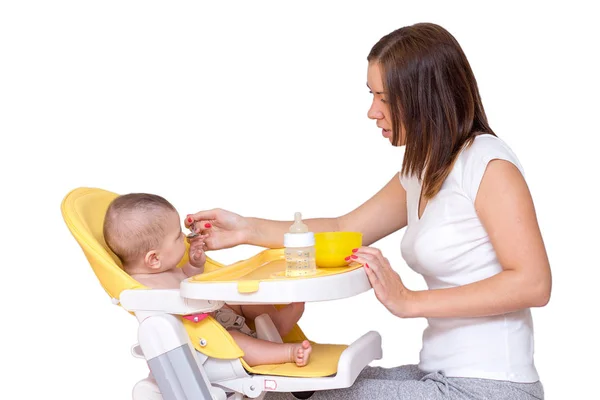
[
  {"x": 261, "y": 352},
  {"x": 284, "y": 319}
]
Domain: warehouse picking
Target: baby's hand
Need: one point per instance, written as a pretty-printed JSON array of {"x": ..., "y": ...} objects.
[{"x": 196, "y": 252}]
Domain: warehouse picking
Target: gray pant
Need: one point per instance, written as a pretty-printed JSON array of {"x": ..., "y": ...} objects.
[{"x": 409, "y": 382}]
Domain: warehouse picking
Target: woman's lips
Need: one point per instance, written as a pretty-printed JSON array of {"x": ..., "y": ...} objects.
[{"x": 386, "y": 133}]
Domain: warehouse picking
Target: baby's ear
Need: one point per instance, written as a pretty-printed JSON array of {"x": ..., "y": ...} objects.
[{"x": 152, "y": 260}]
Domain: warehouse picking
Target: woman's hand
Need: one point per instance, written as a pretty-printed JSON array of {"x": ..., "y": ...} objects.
[
  {"x": 386, "y": 282},
  {"x": 223, "y": 229}
]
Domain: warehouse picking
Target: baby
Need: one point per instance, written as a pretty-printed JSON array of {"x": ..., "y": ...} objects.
[{"x": 144, "y": 231}]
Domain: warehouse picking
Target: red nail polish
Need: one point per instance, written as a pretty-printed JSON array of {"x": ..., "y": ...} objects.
[
  {"x": 207, "y": 225},
  {"x": 190, "y": 220},
  {"x": 347, "y": 258},
  {"x": 366, "y": 265},
  {"x": 354, "y": 250},
  {"x": 353, "y": 256}
]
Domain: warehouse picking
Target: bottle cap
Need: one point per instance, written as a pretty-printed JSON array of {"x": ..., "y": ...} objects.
[{"x": 304, "y": 239}]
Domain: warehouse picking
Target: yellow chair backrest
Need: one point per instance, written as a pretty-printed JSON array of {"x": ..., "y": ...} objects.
[{"x": 83, "y": 211}]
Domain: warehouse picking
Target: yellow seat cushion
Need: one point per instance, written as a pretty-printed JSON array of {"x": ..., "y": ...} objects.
[{"x": 218, "y": 343}]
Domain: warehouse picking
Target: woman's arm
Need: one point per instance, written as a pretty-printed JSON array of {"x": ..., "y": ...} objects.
[
  {"x": 506, "y": 210},
  {"x": 382, "y": 214},
  {"x": 505, "y": 207}
]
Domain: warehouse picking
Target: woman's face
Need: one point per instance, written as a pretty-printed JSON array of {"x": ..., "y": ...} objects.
[{"x": 380, "y": 108}]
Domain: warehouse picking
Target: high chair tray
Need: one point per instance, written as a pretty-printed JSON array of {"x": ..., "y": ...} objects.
[{"x": 262, "y": 279}]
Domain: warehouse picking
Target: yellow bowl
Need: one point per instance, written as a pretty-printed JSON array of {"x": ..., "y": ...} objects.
[{"x": 332, "y": 248}]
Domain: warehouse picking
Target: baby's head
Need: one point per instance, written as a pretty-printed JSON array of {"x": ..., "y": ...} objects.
[{"x": 144, "y": 231}]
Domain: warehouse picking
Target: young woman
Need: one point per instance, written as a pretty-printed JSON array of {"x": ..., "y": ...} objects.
[{"x": 471, "y": 230}]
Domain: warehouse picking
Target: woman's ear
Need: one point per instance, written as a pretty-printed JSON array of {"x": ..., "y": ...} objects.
[{"x": 152, "y": 259}]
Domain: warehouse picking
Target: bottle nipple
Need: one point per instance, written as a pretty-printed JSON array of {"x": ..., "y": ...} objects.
[{"x": 298, "y": 226}]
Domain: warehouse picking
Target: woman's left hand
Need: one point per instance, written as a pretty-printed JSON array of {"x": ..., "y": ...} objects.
[{"x": 386, "y": 282}]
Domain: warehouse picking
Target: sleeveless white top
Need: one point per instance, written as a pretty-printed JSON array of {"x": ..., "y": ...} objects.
[{"x": 450, "y": 248}]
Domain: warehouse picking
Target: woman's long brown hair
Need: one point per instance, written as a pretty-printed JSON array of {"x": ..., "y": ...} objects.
[{"x": 433, "y": 94}]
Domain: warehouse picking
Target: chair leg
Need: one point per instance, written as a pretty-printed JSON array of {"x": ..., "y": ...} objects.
[
  {"x": 146, "y": 389},
  {"x": 165, "y": 344},
  {"x": 239, "y": 396},
  {"x": 303, "y": 395}
]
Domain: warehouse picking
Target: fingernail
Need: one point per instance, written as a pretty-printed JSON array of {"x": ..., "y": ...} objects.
[
  {"x": 207, "y": 225},
  {"x": 354, "y": 250},
  {"x": 366, "y": 265},
  {"x": 353, "y": 256},
  {"x": 190, "y": 220},
  {"x": 347, "y": 258}
]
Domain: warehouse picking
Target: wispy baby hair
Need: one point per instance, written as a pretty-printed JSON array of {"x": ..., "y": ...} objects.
[{"x": 135, "y": 223}]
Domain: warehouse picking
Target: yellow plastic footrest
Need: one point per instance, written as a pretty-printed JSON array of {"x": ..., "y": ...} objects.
[{"x": 323, "y": 362}]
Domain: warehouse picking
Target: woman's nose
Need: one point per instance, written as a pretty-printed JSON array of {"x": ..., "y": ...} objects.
[{"x": 374, "y": 112}]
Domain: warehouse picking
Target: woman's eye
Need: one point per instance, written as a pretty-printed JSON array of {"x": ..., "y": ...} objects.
[{"x": 384, "y": 101}]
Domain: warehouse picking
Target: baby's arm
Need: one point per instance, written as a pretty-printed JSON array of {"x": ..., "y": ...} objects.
[
  {"x": 196, "y": 256},
  {"x": 284, "y": 319},
  {"x": 189, "y": 270}
]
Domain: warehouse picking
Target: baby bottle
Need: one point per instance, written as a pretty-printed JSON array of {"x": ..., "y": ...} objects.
[{"x": 299, "y": 246}]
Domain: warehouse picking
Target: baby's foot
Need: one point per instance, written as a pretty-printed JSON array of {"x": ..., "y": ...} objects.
[{"x": 301, "y": 353}]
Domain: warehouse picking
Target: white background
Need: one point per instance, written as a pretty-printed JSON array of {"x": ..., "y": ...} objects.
[{"x": 261, "y": 108}]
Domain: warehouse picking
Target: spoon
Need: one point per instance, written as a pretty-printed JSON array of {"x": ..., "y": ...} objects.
[{"x": 193, "y": 233}]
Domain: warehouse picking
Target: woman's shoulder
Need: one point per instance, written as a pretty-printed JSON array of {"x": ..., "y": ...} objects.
[
  {"x": 475, "y": 158},
  {"x": 487, "y": 147}
]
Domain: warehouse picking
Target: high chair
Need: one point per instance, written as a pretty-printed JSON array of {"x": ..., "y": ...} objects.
[{"x": 192, "y": 356}]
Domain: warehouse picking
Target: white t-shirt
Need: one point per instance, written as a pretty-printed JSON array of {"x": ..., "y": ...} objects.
[{"x": 450, "y": 248}]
